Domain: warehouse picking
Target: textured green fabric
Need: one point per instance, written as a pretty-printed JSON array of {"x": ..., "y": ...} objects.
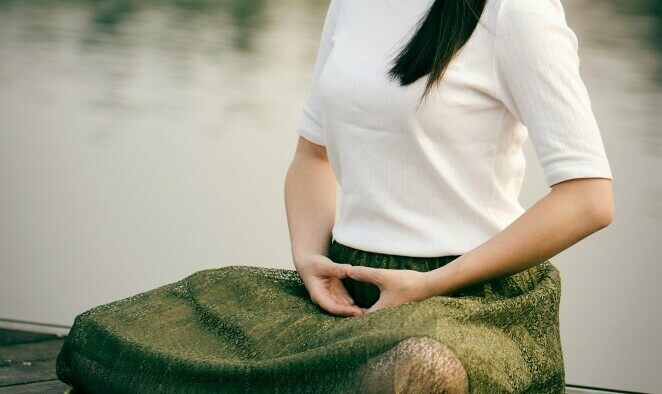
[{"x": 254, "y": 329}]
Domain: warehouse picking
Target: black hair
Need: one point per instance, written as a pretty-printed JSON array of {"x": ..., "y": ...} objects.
[{"x": 442, "y": 32}]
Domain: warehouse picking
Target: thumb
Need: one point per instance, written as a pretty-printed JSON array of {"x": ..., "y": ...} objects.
[
  {"x": 336, "y": 270},
  {"x": 365, "y": 274},
  {"x": 376, "y": 306}
]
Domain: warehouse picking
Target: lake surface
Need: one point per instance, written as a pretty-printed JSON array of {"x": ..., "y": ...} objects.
[{"x": 141, "y": 141}]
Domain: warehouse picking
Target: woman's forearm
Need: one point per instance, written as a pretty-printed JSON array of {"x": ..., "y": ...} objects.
[
  {"x": 310, "y": 201},
  {"x": 570, "y": 212}
]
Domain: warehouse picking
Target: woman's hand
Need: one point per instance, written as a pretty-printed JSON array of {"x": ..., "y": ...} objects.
[
  {"x": 396, "y": 286},
  {"x": 322, "y": 278}
]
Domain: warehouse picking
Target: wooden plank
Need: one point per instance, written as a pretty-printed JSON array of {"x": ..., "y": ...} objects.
[
  {"x": 28, "y": 362},
  {"x": 14, "y": 337},
  {"x": 31, "y": 351},
  {"x": 46, "y": 387},
  {"x": 21, "y": 373},
  {"x": 585, "y": 390}
]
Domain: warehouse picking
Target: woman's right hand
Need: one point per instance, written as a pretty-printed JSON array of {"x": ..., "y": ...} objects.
[{"x": 322, "y": 278}]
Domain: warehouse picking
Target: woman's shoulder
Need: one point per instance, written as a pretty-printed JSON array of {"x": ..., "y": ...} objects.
[
  {"x": 528, "y": 21},
  {"x": 527, "y": 9}
]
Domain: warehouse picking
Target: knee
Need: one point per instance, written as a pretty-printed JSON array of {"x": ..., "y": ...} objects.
[
  {"x": 427, "y": 365},
  {"x": 420, "y": 365}
]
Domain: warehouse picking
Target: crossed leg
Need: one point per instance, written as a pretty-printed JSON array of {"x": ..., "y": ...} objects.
[{"x": 416, "y": 365}]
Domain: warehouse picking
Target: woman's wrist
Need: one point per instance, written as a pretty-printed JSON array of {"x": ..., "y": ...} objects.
[
  {"x": 443, "y": 280},
  {"x": 301, "y": 259}
]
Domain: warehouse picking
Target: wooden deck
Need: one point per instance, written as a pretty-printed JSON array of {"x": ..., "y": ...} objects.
[{"x": 27, "y": 364}]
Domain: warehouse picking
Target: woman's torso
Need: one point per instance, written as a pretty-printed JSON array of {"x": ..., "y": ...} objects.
[
  {"x": 432, "y": 181},
  {"x": 442, "y": 178}
]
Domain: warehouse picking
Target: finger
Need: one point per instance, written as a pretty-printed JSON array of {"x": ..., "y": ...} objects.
[
  {"x": 365, "y": 274},
  {"x": 352, "y": 304},
  {"x": 346, "y": 299},
  {"x": 380, "y": 304},
  {"x": 341, "y": 296},
  {"x": 335, "y": 307},
  {"x": 341, "y": 310},
  {"x": 342, "y": 292},
  {"x": 341, "y": 270},
  {"x": 335, "y": 270},
  {"x": 374, "y": 308}
]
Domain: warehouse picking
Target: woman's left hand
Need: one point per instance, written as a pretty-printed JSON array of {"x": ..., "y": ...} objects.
[{"x": 396, "y": 286}]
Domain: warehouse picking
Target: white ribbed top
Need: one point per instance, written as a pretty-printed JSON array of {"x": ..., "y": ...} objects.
[{"x": 443, "y": 178}]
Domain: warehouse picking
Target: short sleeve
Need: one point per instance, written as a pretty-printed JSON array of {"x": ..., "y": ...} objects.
[
  {"x": 537, "y": 76},
  {"x": 310, "y": 123}
]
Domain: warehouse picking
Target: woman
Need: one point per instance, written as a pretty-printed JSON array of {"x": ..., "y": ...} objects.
[
  {"x": 443, "y": 179},
  {"x": 433, "y": 278}
]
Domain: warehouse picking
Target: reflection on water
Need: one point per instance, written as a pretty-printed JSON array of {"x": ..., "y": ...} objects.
[
  {"x": 42, "y": 41},
  {"x": 183, "y": 21},
  {"x": 131, "y": 58},
  {"x": 115, "y": 22},
  {"x": 622, "y": 47},
  {"x": 649, "y": 20}
]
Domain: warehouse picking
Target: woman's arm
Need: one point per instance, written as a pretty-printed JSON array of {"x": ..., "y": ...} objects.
[
  {"x": 571, "y": 211},
  {"x": 310, "y": 201},
  {"x": 537, "y": 78},
  {"x": 310, "y": 205}
]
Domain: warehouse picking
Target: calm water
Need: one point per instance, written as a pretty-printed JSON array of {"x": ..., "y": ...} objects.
[
  {"x": 140, "y": 141},
  {"x": 117, "y": 67}
]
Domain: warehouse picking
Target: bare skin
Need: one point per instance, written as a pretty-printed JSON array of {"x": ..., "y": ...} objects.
[{"x": 310, "y": 204}]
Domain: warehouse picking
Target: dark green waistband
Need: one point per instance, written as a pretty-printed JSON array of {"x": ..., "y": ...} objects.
[{"x": 341, "y": 253}]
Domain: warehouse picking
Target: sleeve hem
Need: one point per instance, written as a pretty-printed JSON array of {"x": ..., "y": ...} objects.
[
  {"x": 585, "y": 170},
  {"x": 310, "y": 133}
]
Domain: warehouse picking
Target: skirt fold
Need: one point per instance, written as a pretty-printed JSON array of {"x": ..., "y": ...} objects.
[{"x": 255, "y": 329}]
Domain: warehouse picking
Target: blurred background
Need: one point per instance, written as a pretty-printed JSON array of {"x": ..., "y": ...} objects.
[{"x": 143, "y": 141}]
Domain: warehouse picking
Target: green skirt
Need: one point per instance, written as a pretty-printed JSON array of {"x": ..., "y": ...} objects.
[{"x": 254, "y": 329}]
